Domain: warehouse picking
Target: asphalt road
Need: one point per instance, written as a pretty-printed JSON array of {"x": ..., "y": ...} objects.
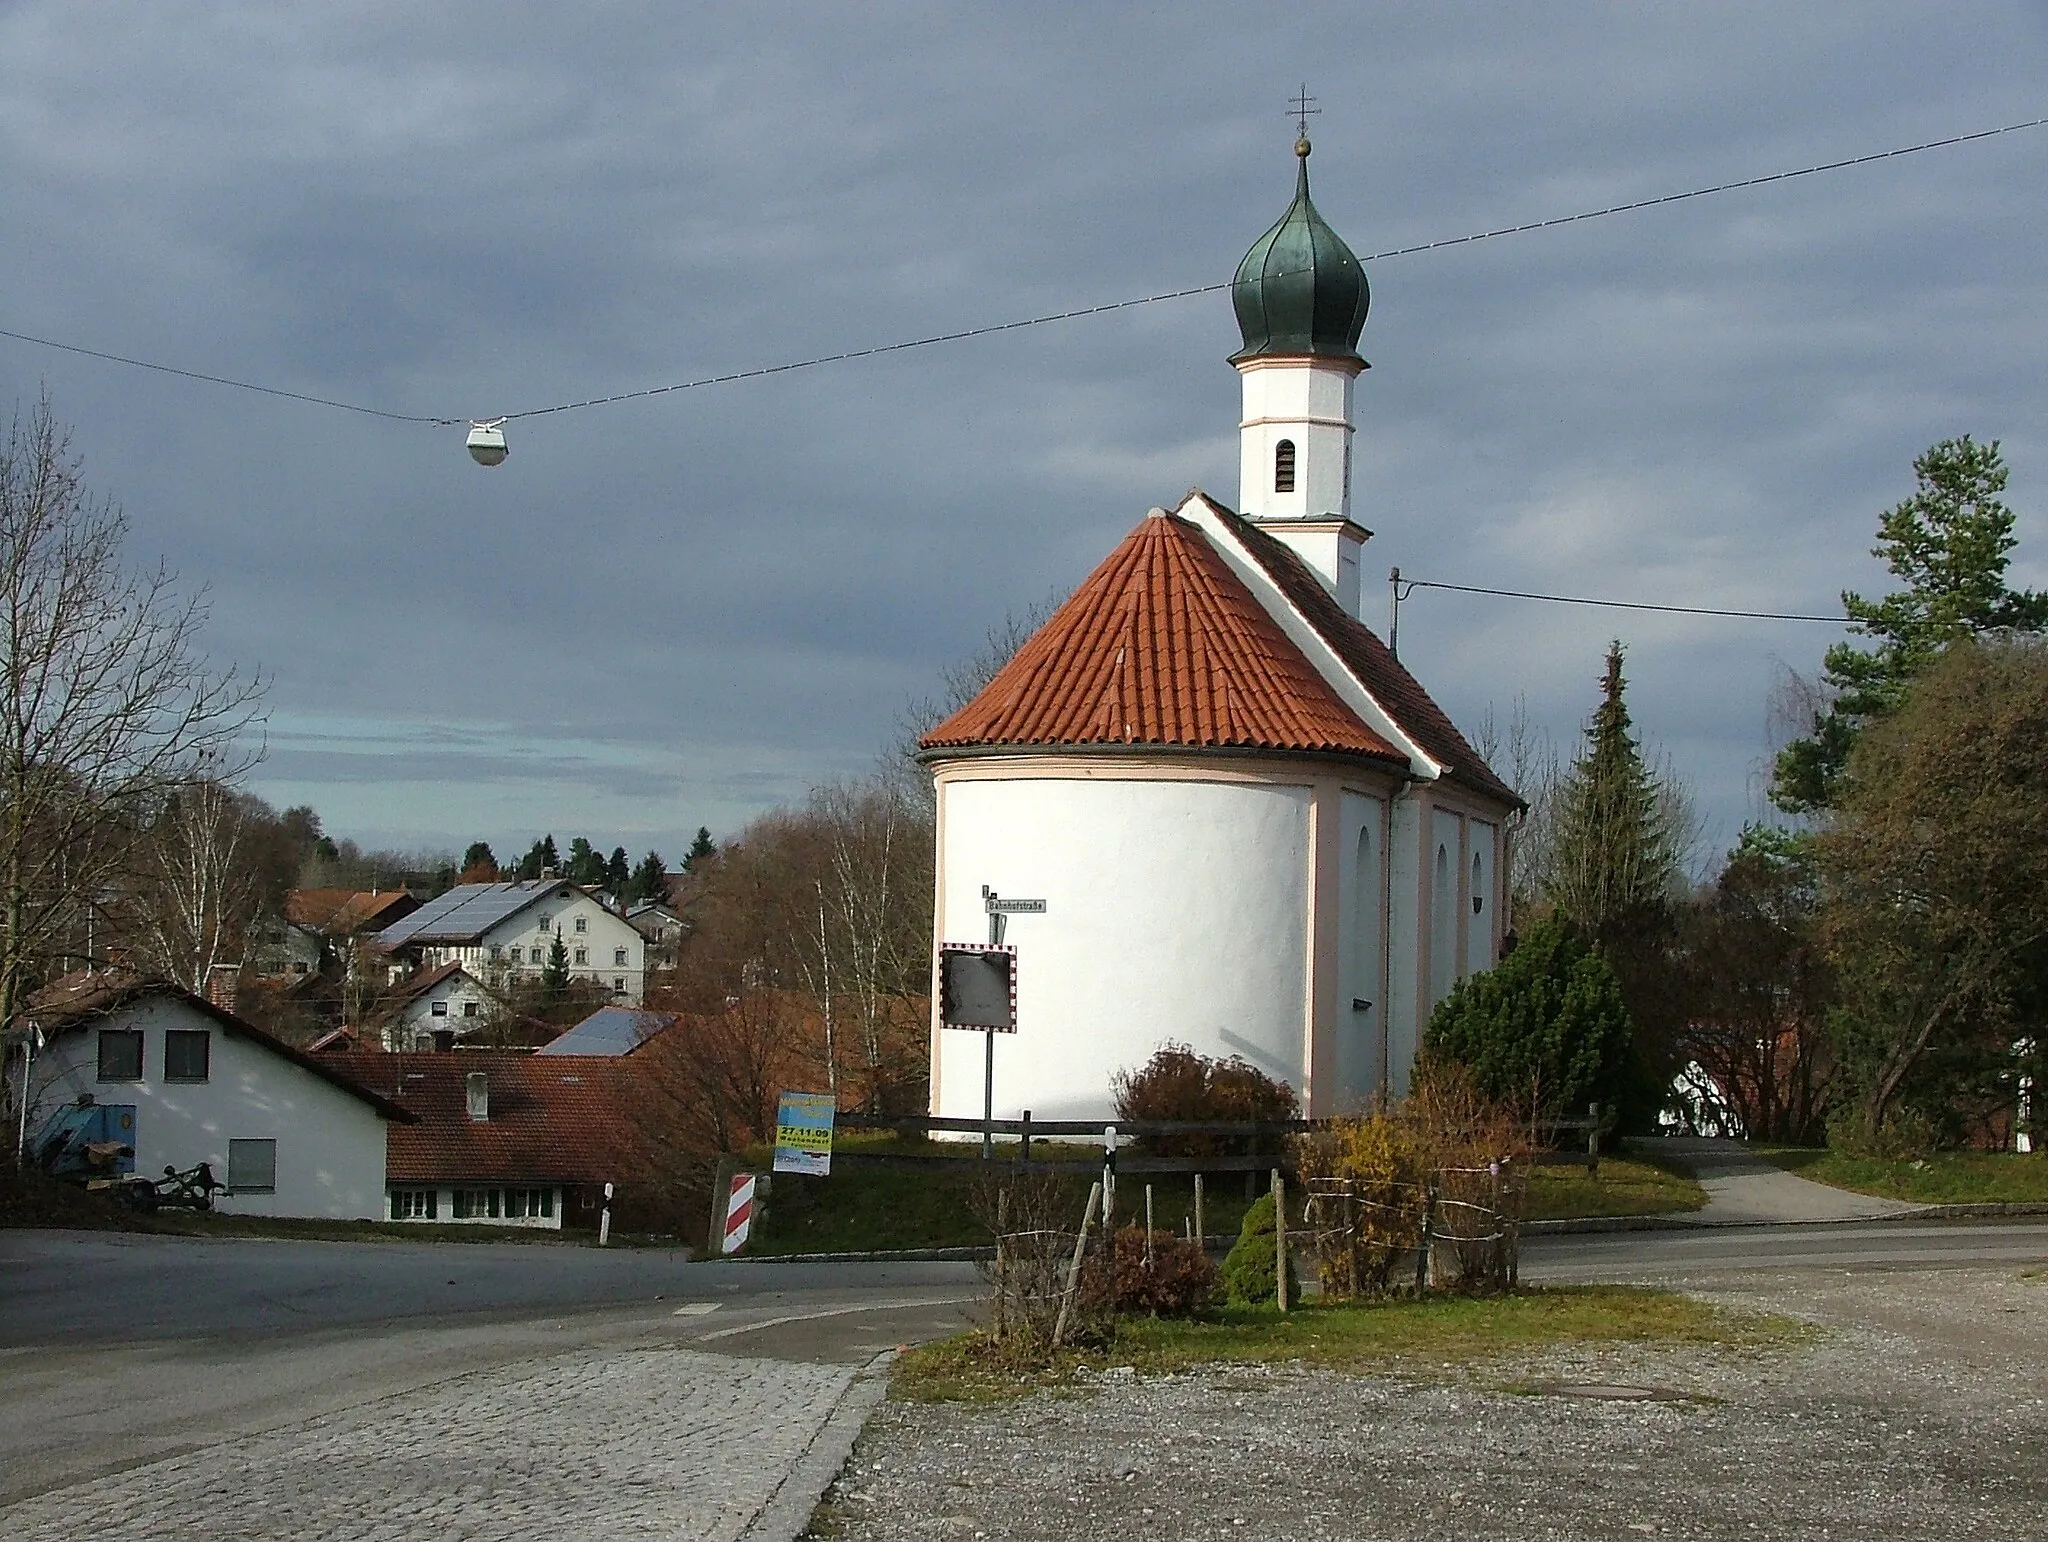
[
  {"x": 1711, "y": 1254},
  {"x": 120, "y": 1349},
  {"x": 112, "y": 1287}
]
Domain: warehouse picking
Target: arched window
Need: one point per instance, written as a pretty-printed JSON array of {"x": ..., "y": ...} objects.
[{"x": 1283, "y": 466}]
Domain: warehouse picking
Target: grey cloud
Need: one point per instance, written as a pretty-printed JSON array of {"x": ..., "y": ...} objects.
[{"x": 463, "y": 212}]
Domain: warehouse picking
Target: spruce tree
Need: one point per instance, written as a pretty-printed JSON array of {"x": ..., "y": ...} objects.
[
  {"x": 554, "y": 974},
  {"x": 650, "y": 879},
  {"x": 1616, "y": 854},
  {"x": 700, "y": 848}
]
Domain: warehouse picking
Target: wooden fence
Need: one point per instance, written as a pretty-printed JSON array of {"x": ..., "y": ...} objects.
[{"x": 1263, "y": 1142}]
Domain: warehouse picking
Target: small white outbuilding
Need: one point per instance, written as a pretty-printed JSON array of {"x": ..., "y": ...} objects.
[{"x": 1253, "y": 830}]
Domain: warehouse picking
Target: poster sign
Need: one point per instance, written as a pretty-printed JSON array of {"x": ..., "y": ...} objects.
[
  {"x": 803, "y": 1133},
  {"x": 978, "y": 986}
]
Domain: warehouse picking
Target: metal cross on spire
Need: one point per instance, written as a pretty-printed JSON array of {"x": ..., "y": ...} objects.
[{"x": 1301, "y": 111}]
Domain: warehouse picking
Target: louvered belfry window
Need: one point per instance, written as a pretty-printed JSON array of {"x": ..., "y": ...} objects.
[{"x": 1283, "y": 466}]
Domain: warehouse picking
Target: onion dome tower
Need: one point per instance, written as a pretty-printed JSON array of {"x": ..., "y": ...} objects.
[{"x": 1301, "y": 299}]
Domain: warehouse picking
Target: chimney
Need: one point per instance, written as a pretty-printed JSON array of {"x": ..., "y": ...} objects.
[
  {"x": 479, "y": 1085},
  {"x": 223, "y": 982}
]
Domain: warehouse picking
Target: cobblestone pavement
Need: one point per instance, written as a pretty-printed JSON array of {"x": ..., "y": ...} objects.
[
  {"x": 666, "y": 1443},
  {"x": 1918, "y": 1413}
]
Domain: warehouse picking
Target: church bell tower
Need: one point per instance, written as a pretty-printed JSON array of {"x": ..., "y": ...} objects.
[{"x": 1301, "y": 298}]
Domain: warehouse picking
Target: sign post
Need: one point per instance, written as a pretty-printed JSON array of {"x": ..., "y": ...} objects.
[{"x": 978, "y": 990}]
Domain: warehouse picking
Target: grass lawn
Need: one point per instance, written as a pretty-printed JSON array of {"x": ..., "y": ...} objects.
[
  {"x": 1634, "y": 1185},
  {"x": 1945, "y": 1178},
  {"x": 1387, "y": 1334}
]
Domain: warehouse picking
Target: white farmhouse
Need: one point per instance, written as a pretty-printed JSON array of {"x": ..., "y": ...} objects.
[
  {"x": 504, "y": 931},
  {"x": 183, "y": 1081},
  {"x": 1253, "y": 830},
  {"x": 448, "y": 1000}
]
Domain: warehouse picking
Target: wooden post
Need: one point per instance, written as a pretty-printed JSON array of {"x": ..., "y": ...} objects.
[
  {"x": 1200, "y": 1234},
  {"x": 1059, "y": 1327},
  {"x": 1148, "y": 1226},
  {"x": 721, "y": 1192},
  {"x": 1423, "y": 1246},
  {"x": 1593, "y": 1140},
  {"x": 1280, "y": 1239},
  {"x": 1002, "y": 1280},
  {"x": 1025, "y": 1148}
]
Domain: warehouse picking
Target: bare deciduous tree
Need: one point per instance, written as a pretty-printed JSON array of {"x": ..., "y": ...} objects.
[
  {"x": 107, "y": 706},
  {"x": 193, "y": 893}
]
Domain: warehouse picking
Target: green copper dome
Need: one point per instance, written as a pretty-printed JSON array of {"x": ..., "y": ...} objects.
[{"x": 1299, "y": 289}]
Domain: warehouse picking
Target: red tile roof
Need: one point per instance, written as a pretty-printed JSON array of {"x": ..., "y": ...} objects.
[
  {"x": 341, "y": 912},
  {"x": 555, "y": 1119},
  {"x": 1161, "y": 645},
  {"x": 1368, "y": 659}
]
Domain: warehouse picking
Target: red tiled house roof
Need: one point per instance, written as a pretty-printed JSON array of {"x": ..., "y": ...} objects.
[
  {"x": 1367, "y": 658},
  {"x": 558, "y": 1119},
  {"x": 342, "y": 912},
  {"x": 1161, "y": 645}
]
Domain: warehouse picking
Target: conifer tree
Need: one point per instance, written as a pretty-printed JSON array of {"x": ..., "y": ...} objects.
[
  {"x": 1616, "y": 854},
  {"x": 1949, "y": 544},
  {"x": 554, "y": 974},
  {"x": 650, "y": 879}
]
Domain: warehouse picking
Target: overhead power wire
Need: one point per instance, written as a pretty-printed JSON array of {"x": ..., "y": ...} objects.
[
  {"x": 991, "y": 329},
  {"x": 239, "y": 385},
  {"x": 1573, "y": 599}
]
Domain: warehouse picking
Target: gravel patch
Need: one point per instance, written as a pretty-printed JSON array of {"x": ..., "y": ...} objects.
[{"x": 1918, "y": 1412}]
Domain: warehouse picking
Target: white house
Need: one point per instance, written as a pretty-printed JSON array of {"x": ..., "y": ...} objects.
[
  {"x": 290, "y": 1134},
  {"x": 504, "y": 931},
  {"x": 448, "y": 999},
  {"x": 1252, "y": 829}
]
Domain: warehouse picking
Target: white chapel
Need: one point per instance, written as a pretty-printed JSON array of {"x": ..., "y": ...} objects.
[{"x": 1254, "y": 831}]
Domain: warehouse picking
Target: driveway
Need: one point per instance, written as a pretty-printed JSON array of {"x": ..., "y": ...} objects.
[{"x": 1745, "y": 1190}]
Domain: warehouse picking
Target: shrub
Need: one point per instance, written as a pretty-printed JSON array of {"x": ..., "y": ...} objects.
[
  {"x": 1178, "y": 1083},
  {"x": 1249, "y": 1276},
  {"x": 1369, "y": 1183},
  {"x": 1545, "y": 1028},
  {"x": 1180, "y": 1282}
]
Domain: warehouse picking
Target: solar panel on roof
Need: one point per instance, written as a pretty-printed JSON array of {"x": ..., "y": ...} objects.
[
  {"x": 607, "y": 1031},
  {"x": 466, "y": 911}
]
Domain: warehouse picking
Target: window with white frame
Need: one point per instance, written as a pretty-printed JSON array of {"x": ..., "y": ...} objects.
[
  {"x": 252, "y": 1167},
  {"x": 415, "y": 1204},
  {"x": 469, "y": 1009},
  {"x": 583, "y": 923},
  {"x": 618, "y": 958},
  {"x": 438, "y": 1009},
  {"x": 618, "y": 985},
  {"x": 518, "y": 955}
]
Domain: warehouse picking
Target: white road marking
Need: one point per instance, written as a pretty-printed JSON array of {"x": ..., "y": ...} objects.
[{"x": 836, "y": 1311}]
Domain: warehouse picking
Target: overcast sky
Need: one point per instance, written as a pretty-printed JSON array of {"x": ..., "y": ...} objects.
[{"x": 684, "y": 610}]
